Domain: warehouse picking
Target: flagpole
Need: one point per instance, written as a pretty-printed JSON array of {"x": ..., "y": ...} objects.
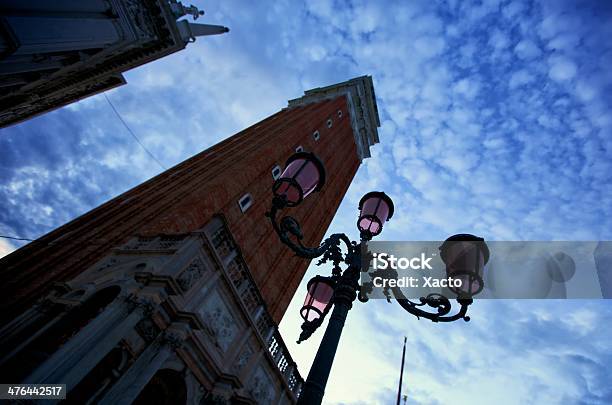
[{"x": 399, "y": 389}]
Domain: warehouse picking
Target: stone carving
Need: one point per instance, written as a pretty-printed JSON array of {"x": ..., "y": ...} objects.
[
  {"x": 172, "y": 339},
  {"x": 191, "y": 274},
  {"x": 140, "y": 18},
  {"x": 169, "y": 241},
  {"x": 146, "y": 305},
  {"x": 141, "y": 243},
  {"x": 107, "y": 264},
  {"x": 147, "y": 329},
  {"x": 219, "y": 320},
  {"x": 244, "y": 358},
  {"x": 261, "y": 387}
]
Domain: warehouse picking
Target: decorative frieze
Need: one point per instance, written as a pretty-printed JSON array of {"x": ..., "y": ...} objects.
[
  {"x": 191, "y": 274},
  {"x": 243, "y": 358},
  {"x": 218, "y": 318},
  {"x": 261, "y": 387}
]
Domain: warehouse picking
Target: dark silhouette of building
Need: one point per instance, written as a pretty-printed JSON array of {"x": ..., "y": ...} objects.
[{"x": 53, "y": 53}]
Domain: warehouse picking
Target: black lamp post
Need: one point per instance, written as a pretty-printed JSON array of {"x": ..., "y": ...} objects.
[{"x": 464, "y": 256}]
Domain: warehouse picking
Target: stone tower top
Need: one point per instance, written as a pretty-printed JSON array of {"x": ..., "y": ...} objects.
[{"x": 362, "y": 107}]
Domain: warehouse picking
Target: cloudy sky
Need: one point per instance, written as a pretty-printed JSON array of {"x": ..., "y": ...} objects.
[{"x": 496, "y": 120}]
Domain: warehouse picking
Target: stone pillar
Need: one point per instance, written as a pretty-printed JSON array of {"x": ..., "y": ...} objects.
[
  {"x": 148, "y": 363},
  {"x": 38, "y": 313},
  {"x": 75, "y": 359}
]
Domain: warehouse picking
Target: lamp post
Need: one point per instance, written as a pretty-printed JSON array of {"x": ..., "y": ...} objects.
[{"x": 464, "y": 256}]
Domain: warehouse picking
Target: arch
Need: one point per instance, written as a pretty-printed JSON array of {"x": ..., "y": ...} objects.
[
  {"x": 107, "y": 371},
  {"x": 74, "y": 294},
  {"x": 166, "y": 387}
]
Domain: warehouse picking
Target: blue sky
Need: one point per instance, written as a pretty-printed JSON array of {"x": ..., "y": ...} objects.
[{"x": 496, "y": 120}]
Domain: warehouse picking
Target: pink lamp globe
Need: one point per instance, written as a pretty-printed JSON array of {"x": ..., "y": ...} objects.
[
  {"x": 303, "y": 174},
  {"x": 318, "y": 298},
  {"x": 375, "y": 208}
]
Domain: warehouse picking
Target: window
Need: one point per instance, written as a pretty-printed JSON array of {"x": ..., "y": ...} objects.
[
  {"x": 316, "y": 135},
  {"x": 299, "y": 149},
  {"x": 339, "y": 113},
  {"x": 245, "y": 202},
  {"x": 329, "y": 123},
  {"x": 276, "y": 171}
]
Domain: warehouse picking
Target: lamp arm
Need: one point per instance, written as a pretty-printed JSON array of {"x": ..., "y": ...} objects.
[
  {"x": 436, "y": 301},
  {"x": 290, "y": 233}
]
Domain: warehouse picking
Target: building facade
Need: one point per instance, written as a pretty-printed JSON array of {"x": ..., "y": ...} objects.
[
  {"x": 53, "y": 53},
  {"x": 175, "y": 288}
]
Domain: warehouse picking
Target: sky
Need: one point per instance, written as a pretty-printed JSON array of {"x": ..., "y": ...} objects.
[{"x": 496, "y": 121}]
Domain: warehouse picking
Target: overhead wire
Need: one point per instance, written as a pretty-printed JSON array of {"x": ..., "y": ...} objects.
[
  {"x": 16, "y": 238},
  {"x": 132, "y": 132}
]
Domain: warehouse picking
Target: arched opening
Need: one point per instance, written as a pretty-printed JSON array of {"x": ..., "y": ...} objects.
[
  {"x": 166, "y": 387},
  {"x": 41, "y": 348},
  {"x": 102, "y": 376}
]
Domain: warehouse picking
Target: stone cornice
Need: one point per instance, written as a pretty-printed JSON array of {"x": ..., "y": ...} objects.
[{"x": 361, "y": 100}]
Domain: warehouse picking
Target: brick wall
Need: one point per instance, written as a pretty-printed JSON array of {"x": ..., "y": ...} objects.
[{"x": 185, "y": 198}]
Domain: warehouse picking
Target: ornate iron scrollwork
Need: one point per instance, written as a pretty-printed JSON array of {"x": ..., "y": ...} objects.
[{"x": 290, "y": 234}]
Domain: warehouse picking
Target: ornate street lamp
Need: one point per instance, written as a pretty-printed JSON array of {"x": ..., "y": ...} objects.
[
  {"x": 375, "y": 208},
  {"x": 303, "y": 174},
  {"x": 319, "y": 298},
  {"x": 464, "y": 256}
]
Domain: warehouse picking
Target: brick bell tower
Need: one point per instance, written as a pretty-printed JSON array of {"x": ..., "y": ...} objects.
[{"x": 184, "y": 269}]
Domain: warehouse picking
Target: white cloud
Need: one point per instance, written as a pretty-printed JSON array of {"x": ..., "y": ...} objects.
[
  {"x": 498, "y": 40},
  {"x": 467, "y": 88},
  {"x": 527, "y": 49},
  {"x": 5, "y": 247},
  {"x": 520, "y": 78},
  {"x": 561, "y": 68},
  {"x": 511, "y": 10}
]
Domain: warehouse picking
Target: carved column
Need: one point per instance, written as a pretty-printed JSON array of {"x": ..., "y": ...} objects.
[
  {"x": 39, "y": 313},
  {"x": 147, "y": 364},
  {"x": 76, "y": 358}
]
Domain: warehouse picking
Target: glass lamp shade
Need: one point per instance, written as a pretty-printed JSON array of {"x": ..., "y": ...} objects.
[
  {"x": 465, "y": 256},
  {"x": 318, "y": 298},
  {"x": 303, "y": 174},
  {"x": 375, "y": 208}
]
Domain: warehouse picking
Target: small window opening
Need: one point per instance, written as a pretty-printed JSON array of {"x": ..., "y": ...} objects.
[
  {"x": 299, "y": 149},
  {"x": 339, "y": 113},
  {"x": 329, "y": 123},
  {"x": 245, "y": 202},
  {"x": 276, "y": 172},
  {"x": 316, "y": 135}
]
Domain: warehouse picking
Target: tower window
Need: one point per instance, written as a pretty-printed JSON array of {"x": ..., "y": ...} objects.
[
  {"x": 329, "y": 123},
  {"x": 300, "y": 148},
  {"x": 316, "y": 135},
  {"x": 276, "y": 171},
  {"x": 245, "y": 202},
  {"x": 339, "y": 113}
]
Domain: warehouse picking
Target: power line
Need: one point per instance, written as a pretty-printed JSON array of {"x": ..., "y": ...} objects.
[
  {"x": 132, "y": 132},
  {"x": 15, "y": 238}
]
